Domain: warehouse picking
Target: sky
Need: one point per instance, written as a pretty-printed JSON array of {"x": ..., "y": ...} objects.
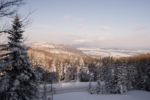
[{"x": 89, "y": 23}]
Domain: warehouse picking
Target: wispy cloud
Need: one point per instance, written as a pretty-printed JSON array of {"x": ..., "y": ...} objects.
[{"x": 82, "y": 41}]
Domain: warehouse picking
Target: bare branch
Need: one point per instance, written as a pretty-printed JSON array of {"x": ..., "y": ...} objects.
[{"x": 8, "y": 7}]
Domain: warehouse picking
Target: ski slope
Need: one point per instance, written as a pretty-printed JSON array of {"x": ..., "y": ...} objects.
[
  {"x": 61, "y": 88},
  {"x": 78, "y": 91}
]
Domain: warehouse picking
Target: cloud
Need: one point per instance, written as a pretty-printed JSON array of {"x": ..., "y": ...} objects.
[
  {"x": 92, "y": 36},
  {"x": 91, "y": 41},
  {"x": 82, "y": 41}
]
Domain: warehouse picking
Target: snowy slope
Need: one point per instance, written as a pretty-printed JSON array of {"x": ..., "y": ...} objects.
[{"x": 132, "y": 95}]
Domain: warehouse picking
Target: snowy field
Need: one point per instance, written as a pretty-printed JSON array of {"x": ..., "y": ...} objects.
[
  {"x": 68, "y": 87},
  {"x": 133, "y": 95},
  {"x": 78, "y": 91}
]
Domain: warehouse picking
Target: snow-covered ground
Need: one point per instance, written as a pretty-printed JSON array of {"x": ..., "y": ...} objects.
[
  {"x": 61, "y": 88},
  {"x": 78, "y": 91},
  {"x": 132, "y": 95},
  {"x": 114, "y": 52}
]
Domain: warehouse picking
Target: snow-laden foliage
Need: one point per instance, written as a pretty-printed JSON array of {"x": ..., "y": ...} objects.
[
  {"x": 18, "y": 80},
  {"x": 120, "y": 76}
]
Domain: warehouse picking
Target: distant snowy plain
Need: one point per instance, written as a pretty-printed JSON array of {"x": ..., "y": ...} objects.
[{"x": 114, "y": 52}]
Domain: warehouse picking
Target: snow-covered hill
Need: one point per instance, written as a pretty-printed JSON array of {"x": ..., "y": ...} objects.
[
  {"x": 56, "y": 48},
  {"x": 103, "y": 52}
]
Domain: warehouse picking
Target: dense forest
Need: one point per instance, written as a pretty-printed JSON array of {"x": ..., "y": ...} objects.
[{"x": 118, "y": 75}]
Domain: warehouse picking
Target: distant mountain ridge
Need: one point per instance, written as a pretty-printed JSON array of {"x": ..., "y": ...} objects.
[
  {"x": 56, "y": 48},
  {"x": 98, "y": 52}
]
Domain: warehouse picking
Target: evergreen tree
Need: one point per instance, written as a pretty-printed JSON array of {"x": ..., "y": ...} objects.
[
  {"x": 18, "y": 80},
  {"x": 122, "y": 78}
]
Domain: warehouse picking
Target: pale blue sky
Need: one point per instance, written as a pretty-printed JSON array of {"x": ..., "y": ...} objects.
[{"x": 90, "y": 23}]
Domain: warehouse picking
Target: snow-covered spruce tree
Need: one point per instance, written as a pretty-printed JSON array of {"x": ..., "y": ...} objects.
[
  {"x": 18, "y": 80},
  {"x": 122, "y": 80},
  {"x": 111, "y": 79},
  {"x": 132, "y": 75},
  {"x": 101, "y": 82}
]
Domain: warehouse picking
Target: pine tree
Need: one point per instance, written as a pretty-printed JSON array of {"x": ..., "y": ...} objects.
[{"x": 18, "y": 80}]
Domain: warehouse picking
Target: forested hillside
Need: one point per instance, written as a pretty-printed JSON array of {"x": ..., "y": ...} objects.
[{"x": 117, "y": 75}]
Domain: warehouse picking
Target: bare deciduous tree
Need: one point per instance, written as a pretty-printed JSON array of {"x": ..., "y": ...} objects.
[{"x": 8, "y": 7}]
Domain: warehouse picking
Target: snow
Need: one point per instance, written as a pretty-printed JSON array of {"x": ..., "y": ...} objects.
[
  {"x": 67, "y": 87},
  {"x": 57, "y": 51},
  {"x": 132, "y": 95},
  {"x": 79, "y": 91},
  {"x": 43, "y": 44},
  {"x": 55, "y": 48},
  {"x": 115, "y": 52}
]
